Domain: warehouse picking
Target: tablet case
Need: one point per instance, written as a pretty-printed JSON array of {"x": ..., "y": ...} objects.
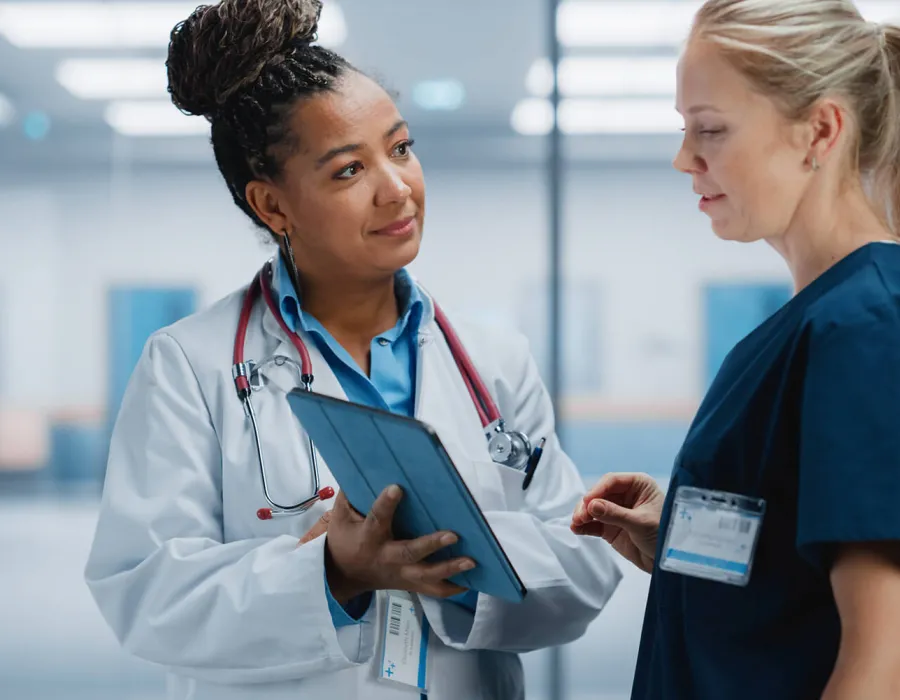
[{"x": 368, "y": 449}]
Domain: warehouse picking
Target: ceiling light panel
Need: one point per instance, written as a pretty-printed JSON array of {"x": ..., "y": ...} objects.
[
  {"x": 655, "y": 23},
  {"x": 596, "y": 76},
  {"x": 146, "y": 118},
  {"x": 112, "y": 25},
  {"x": 112, "y": 79},
  {"x": 534, "y": 116},
  {"x": 632, "y": 23}
]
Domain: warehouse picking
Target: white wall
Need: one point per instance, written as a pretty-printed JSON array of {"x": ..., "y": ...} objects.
[
  {"x": 632, "y": 233},
  {"x": 32, "y": 249}
]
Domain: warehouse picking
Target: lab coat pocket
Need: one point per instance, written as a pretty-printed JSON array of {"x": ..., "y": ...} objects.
[{"x": 501, "y": 487}]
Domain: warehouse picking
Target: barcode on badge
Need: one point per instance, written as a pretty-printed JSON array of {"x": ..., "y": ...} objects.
[
  {"x": 739, "y": 524},
  {"x": 396, "y": 613}
]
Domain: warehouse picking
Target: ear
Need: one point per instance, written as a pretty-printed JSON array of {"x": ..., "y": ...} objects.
[
  {"x": 827, "y": 123},
  {"x": 264, "y": 198}
]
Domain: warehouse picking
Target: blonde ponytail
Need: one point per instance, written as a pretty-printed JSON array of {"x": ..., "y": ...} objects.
[{"x": 888, "y": 172}]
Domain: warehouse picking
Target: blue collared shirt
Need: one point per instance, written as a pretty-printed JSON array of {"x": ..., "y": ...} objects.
[
  {"x": 391, "y": 381},
  {"x": 390, "y": 385}
]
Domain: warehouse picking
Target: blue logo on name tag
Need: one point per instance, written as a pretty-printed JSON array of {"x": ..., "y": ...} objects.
[{"x": 711, "y": 562}]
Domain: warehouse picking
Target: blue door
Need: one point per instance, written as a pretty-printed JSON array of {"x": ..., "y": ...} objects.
[
  {"x": 135, "y": 313},
  {"x": 732, "y": 311}
]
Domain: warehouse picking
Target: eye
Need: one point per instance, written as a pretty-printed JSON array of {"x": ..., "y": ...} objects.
[
  {"x": 349, "y": 171},
  {"x": 404, "y": 148}
]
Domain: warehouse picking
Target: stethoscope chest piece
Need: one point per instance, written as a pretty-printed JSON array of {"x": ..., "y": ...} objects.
[{"x": 511, "y": 449}]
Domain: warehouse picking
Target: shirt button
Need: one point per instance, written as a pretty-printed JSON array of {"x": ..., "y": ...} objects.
[{"x": 383, "y": 341}]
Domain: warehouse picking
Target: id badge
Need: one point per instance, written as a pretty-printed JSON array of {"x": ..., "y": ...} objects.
[
  {"x": 404, "y": 658},
  {"x": 712, "y": 535}
]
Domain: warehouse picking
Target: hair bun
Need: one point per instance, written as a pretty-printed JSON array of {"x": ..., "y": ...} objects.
[{"x": 223, "y": 48}]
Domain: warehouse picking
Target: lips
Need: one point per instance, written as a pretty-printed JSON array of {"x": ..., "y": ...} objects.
[
  {"x": 397, "y": 227},
  {"x": 706, "y": 201}
]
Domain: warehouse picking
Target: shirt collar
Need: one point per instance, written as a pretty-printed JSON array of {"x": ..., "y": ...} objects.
[{"x": 414, "y": 304}]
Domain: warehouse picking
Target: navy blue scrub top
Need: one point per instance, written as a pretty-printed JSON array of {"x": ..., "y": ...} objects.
[{"x": 805, "y": 413}]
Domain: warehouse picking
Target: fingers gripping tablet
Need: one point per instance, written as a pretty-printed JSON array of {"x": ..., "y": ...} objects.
[{"x": 368, "y": 449}]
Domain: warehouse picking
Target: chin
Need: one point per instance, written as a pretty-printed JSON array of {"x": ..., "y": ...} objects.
[
  {"x": 402, "y": 255},
  {"x": 409, "y": 252},
  {"x": 728, "y": 230},
  {"x": 722, "y": 230}
]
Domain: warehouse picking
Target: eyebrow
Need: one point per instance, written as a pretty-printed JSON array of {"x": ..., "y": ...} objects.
[
  {"x": 394, "y": 129},
  {"x": 703, "y": 108},
  {"x": 335, "y": 152},
  {"x": 353, "y": 147}
]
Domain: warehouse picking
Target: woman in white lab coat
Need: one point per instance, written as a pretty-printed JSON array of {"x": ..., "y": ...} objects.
[{"x": 182, "y": 568}]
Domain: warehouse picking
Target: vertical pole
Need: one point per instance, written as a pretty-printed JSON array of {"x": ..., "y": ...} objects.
[{"x": 556, "y": 689}]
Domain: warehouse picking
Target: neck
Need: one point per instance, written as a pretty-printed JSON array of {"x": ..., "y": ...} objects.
[
  {"x": 353, "y": 312},
  {"x": 823, "y": 232}
]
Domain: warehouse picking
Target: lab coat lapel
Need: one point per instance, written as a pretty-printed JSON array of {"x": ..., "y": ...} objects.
[
  {"x": 443, "y": 402},
  {"x": 324, "y": 382}
]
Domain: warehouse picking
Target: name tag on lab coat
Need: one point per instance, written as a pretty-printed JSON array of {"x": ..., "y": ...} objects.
[
  {"x": 712, "y": 535},
  {"x": 405, "y": 643}
]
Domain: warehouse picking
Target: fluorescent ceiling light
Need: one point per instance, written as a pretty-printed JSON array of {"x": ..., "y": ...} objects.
[
  {"x": 111, "y": 79},
  {"x": 534, "y": 116},
  {"x": 446, "y": 95},
  {"x": 655, "y": 22},
  {"x": 153, "y": 119},
  {"x": 91, "y": 24},
  {"x": 631, "y": 23},
  {"x": 6, "y": 112},
  {"x": 118, "y": 24},
  {"x": 594, "y": 76}
]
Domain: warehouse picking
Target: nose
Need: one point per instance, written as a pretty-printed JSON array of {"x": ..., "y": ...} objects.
[
  {"x": 687, "y": 161},
  {"x": 393, "y": 187}
]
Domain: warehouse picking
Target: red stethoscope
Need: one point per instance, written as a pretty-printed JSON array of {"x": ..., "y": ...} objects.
[{"x": 509, "y": 448}]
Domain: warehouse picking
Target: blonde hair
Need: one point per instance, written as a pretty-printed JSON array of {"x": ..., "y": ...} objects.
[{"x": 797, "y": 52}]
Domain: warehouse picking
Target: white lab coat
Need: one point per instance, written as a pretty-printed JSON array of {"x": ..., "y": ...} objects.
[{"x": 188, "y": 577}]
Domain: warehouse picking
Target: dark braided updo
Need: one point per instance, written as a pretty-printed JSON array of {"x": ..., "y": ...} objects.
[{"x": 244, "y": 64}]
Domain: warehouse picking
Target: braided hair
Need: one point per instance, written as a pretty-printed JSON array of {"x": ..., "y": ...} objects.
[{"x": 244, "y": 65}]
